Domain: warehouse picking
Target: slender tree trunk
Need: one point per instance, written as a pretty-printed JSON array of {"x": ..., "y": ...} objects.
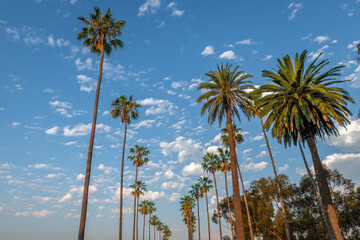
[
  {"x": 218, "y": 205},
  {"x": 137, "y": 219},
  {"x": 207, "y": 211},
  {"x": 122, "y": 183},
  {"x": 239, "y": 225},
  {"x": 154, "y": 232},
  {"x": 135, "y": 203},
  {"x": 246, "y": 203},
  {"x": 144, "y": 229},
  {"x": 283, "y": 211},
  {"x": 331, "y": 219},
  {"x": 90, "y": 152},
  {"x": 313, "y": 182},
  {"x": 228, "y": 202},
  {"x": 189, "y": 230},
  {"x": 198, "y": 217},
  {"x": 149, "y": 225},
  {"x": 159, "y": 235}
]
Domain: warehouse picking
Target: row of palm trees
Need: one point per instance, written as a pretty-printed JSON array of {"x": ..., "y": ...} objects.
[{"x": 300, "y": 104}]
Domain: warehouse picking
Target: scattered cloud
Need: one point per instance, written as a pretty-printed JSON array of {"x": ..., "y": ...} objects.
[
  {"x": 187, "y": 148},
  {"x": 65, "y": 198},
  {"x": 175, "y": 11},
  {"x": 314, "y": 55},
  {"x": 38, "y": 214},
  {"x": 349, "y": 137},
  {"x": 43, "y": 166},
  {"x": 52, "y": 131},
  {"x": 261, "y": 155},
  {"x": 174, "y": 197},
  {"x": 284, "y": 168},
  {"x": 230, "y": 55},
  {"x": 87, "y": 64},
  {"x": 347, "y": 164},
  {"x": 15, "y": 124},
  {"x": 84, "y": 129},
  {"x": 193, "y": 168},
  {"x": 80, "y": 177},
  {"x": 13, "y": 33},
  {"x": 149, "y": 7},
  {"x": 257, "y": 138},
  {"x": 248, "y": 41},
  {"x": 157, "y": 106},
  {"x": 321, "y": 39},
  {"x": 353, "y": 45},
  {"x": 267, "y": 58},
  {"x": 209, "y": 50},
  {"x": 256, "y": 167},
  {"x": 144, "y": 123},
  {"x": 62, "y": 107},
  {"x": 87, "y": 84},
  {"x": 294, "y": 8}
]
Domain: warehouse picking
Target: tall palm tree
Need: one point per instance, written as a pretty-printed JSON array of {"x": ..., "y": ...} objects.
[
  {"x": 153, "y": 221},
  {"x": 187, "y": 204},
  {"x": 256, "y": 111},
  {"x": 126, "y": 110},
  {"x": 139, "y": 188},
  {"x": 100, "y": 35},
  {"x": 211, "y": 164},
  {"x": 303, "y": 103},
  {"x": 144, "y": 209},
  {"x": 196, "y": 192},
  {"x": 167, "y": 232},
  {"x": 138, "y": 157},
  {"x": 226, "y": 95},
  {"x": 159, "y": 227},
  {"x": 239, "y": 139},
  {"x": 151, "y": 210},
  {"x": 205, "y": 185},
  {"x": 225, "y": 165}
]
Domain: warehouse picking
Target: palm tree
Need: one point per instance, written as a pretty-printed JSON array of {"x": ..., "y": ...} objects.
[
  {"x": 139, "y": 188},
  {"x": 138, "y": 158},
  {"x": 303, "y": 103},
  {"x": 224, "y": 156},
  {"x": 100, "y": 35},
  {"x": 256, "y": 111},
  {"x": 196, "y": 192},
  {"x": 205, "y": 185},
  {"x": 239, "y": 139},
  {"x": 144, "y": 209},
  {"x": 153, "y": 221},
  {"x": 126, "y": 110},
  {"x": 159, "y": 227},
  {"x": 151, "y": 209},
  {"x": 167, "y": 232},
  {"x": 211, "y": 164},
  {"x": 187, "y": 204},
  {"x": 226, "y": 94}
]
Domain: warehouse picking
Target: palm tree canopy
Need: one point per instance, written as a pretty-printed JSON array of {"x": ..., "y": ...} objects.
[
  {"x": 151, "y": 207},
  {"x": 226, "y": 89},
  {"x": 101, "y": 32},
  {"x": 187, "y": 204},
  {"x": 303, "y": 101},
  {"x": 153, "y": 220},
  {"x": 139, "y": 155},
  {"x": 224, "y": 157},
  {"x": 125, "y": 109},
  {"x": 138, "y": 189},
  {"x": 211, "y": 163},
  {"x": 144, "y": 207},
  {"x": 196, "y": 191},
  {"x": 239, "y": 139},
  {"x": 205, "y": 184}
]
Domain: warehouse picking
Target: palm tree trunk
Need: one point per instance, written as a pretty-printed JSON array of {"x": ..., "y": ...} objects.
[
  {"x": 283, "y": 211},
  {"x": 149, "y": 225},
  {"x": 208, "y": 219},
  {"x": 198, "y": 217},
  {"x": 135, "y": 203},
  {"x": 137, "y": 219},
  {"x": 90, "y": 152},
  {"x": 122, "y": 183},
  {"x": 154, "y": 232},
  {"x": 218, "y": 205},
  {"x": 313, "y": 182},
  {"x": 246, "y": 203},
  {"x": 239, "y": 225},
  {"x": 189, "y": 230},
  {"x": 144, "y": 229},
  {"x": 228, "y": 201},
  {"x": 330, "y": 213}
]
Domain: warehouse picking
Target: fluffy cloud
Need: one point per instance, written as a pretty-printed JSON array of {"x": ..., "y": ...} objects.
[
  {"x": 150, "y": 195},
  {"x": 65, "y": 198},
  {"x": 230, "y": 55},
  {"x": 87, "y": 84},
  {"x": 107, "y": 170},
  {"x": 284, "y": 168},
  {"x": 256, "y": 167},
  {"x": 80, "y": 177},
  {"x": 80, "y": 189},
  {"x": 209, "y": 50},
  {"x": 245, "y": 42},
  {"x": 144, "y": 123},
  {"x": 87, "y": 64},
  {"x": 174, "y": 197},
  {"x": 261, "y": 155},
  {"x": 188, "y": 149},
  {"x": 192, "y": 169},
  {"x": 349, "y": 138},
  {"x": 13, "y": 33},
  {"x": 257, "y": 138},
  {"x": 43, "y": 166},
  {"x": 157, "y": 106},
  {"x": 347, "y": 164},
  {"x": 172, "y": 185},
  {"x": 84, "y": 129},
  {"x": 15, "y": 124},
  {"x": 321, "y": 39},
  {"x": 52, "y": 131},
  {"x": 267, "y": 58},
  {"x": 62, "y": 107},
  {"x": 150, "y": 6}
]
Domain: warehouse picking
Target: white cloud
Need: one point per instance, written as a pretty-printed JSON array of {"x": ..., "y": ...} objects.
[
  {"x": 284, "y": 168},
  {"x": 245, "y": 42},
  {"x": 55, "y": 175},
  {"x": 52, "y": 131},
  {"x": 257, "y": 138},
  {"x": 349, "y": 138},
  {"x": 321, "y": 39},
  {"x": 84, "y": 65},
  {"x": 267, "y": 58},
  {"x": 41, "y": 214},
  {"x": 51, "y": 40},
  {"x": 80, "y": 177},
  {"x": 188, "y": 149},
  {"x": 87, "y": 84},
  {"x": 230, "y": 55},
  {"x": 195, "y": 82},
  {"x": 179, "y": 84},
  {"x": 13, "y": 32},
  {"x": 7, "y": 166},
  {"x": 144, "y": 123},
  {"x": 178, "y": 13},
  {"x": 256, "y": 167},
  {"x": 65, "y": 198},
  {"x": 353, "y": 45},
  {"x": 179, "y": 125},
  {"x": 294, "y": 7},
  {"x": 157, "y": 106},
  {"x": 247, "y": 150},
  {"x": 150, "y": 195},
  {"x": 84, "y": 129},
  {"x": 107, "y": 170},
  {"x": 80, "y": 189},
  {"x": 347, "y": 164},
  {"x": 174, "y": 197},
  {"x": 43, "y": 166},
  {"x": 314, "y": 55},
  {"x": 150, "y": 6},
  {"x": 172, "y": 185},
  {"x": 170, "y": 92},
  {"x": 62, "y": 107},
  {"x": 15, "y": 124},
  {"x": 41, "y": 199},
  {"x": 70, "y": 143},
  {"x": 209, "y": 50},
  {"x": 354, "y": 77},
  {"x": 192, "y": 169},
  {"x": 261, "y": 155}
]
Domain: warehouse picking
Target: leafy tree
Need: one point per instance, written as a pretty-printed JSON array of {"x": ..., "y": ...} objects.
[
  {"x": 205, "y": 185},
  {"x": 196, "y": 192},
  {"x": 187, "y": 204},
  {"x": 153, "y": 221},
  {"x": 302, "y": 102},
  {"x": 126, "y": 110},
  {"x": 139, "y": 188},
  {"x": 100, "y": 34},
  {"x": 226, "y": 95},
  {"x": 151, "y": 210}
]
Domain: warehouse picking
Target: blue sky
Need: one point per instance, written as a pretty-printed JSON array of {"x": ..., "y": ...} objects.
[{"x": 47, "y": 92}]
